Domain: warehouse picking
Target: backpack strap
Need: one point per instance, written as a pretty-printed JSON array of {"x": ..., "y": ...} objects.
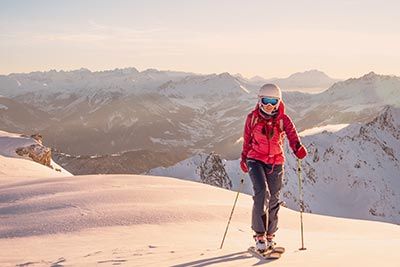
[{"x": 254, "y": 121}]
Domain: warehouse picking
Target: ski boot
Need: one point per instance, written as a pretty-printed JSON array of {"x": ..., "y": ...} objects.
[
  {"x": 260, "y": 242},
  {"x": 270, "y": 244}
]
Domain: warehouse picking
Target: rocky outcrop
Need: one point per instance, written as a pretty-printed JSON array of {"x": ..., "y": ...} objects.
[
  {"x": 37, "y": 151},
  {"x": 212, "y": 171}
]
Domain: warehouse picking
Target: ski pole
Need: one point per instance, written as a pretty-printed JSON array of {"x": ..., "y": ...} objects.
[
  {"x": 301, "y": 203},
  {"x": 233, "y": 208}
]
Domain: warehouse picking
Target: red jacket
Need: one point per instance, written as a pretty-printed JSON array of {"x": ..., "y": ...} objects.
[{"x": 264, "y": 139}]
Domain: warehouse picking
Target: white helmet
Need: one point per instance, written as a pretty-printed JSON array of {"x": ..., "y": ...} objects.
[
  {"x": 273, "y": 94},
  {"x": 270, "y": 90}
]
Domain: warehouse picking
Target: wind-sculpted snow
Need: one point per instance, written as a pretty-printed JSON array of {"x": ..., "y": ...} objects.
[
  {"x": 60, "y": 205},
  {"x": 142, "y": 220}
]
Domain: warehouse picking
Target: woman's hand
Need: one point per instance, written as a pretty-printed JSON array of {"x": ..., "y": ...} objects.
[{"x": 301, "y": 151}]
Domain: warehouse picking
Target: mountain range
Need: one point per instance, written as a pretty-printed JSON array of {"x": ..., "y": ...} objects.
[{"x": 92, "y": 115}]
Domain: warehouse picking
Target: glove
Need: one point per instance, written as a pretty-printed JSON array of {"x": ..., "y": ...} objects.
[
  {"x": 301, "y": 151},
  {"x": 243, "y": 166}
]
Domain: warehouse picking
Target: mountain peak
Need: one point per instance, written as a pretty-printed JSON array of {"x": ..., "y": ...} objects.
[
  {"x": 258, "y": 78},
  {"x": 238, "y": 75},
  {"x": 372, "y": 75},
  {"x": 309, "y": 73},
  {"x": 225, "y": 75},
  {"x": 82, "y": 70},
  {"x": 150, "y": 71},
  {"x": 369, "y": 76},
  {"x": 129, "y": 70}
]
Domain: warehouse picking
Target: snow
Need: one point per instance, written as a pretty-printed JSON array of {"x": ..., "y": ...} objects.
[
  {"x": 186, "y": 169},
  {"x": 4, "y": 107},
  {"x": 140, "y": 220},
  {"x": 244, "y": 89},
  {"x": 328, "y": 128}
]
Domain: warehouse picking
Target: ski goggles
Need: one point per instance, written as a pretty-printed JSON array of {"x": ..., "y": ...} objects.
[{"x": 269, "y": 100}]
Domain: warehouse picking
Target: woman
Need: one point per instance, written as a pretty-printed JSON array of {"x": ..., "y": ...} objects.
[{"x": 263, "y": 157}]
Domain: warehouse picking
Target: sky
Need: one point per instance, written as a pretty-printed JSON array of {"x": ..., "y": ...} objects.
[{"x": 266, "y": 38}]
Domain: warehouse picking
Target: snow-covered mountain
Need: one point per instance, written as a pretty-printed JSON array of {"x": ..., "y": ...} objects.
[
  {"x": 312, "y": 81},
  {"x": 353, "y": 172},
  {"x": 206, "y": 86},
  {"x": 84, "y": 81},
  {"x": 103, "y": 113},
  {"x": 65, "y": 93},
  {"x": 353, "y": 100},
  {"x": 109, "y": 109}
]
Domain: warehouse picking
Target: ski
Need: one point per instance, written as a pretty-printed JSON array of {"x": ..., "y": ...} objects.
[{"x": 269, "y": 254}]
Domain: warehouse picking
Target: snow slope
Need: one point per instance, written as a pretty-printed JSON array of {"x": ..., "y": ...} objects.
[{"x": 108, "y": 220}]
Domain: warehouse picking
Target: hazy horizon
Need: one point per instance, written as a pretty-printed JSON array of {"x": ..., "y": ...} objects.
[
  {"x": 259, "y": 38},
  {"x": 140, "y": 70},
  {"x": 197, "y": 73}
]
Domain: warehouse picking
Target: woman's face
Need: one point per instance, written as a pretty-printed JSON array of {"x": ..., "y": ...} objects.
[{"x": 268, "y": 108}]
